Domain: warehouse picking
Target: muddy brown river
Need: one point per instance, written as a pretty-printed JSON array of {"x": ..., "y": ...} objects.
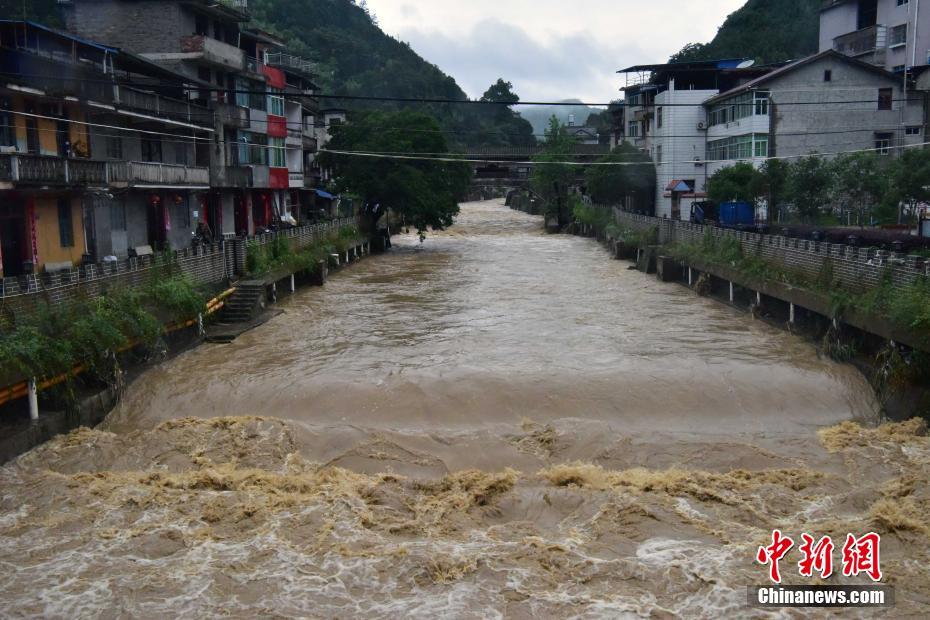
[{"x": 494, "y": 424}]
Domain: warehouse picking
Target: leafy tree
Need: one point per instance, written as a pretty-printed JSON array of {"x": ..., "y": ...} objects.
[
  {"x": 501, "y": 92},
  {"x": 740, "y": 181},
  {"x": 909, "y": 177},
  {"x": 425, "y": 192},
  {"x": 861, "y": 183},
  {"x": 610, "y": 185},
  {"x": 551, "y": 178},
  {"x": 810, "y": 181},
  {"x": 772, "y": 183}
]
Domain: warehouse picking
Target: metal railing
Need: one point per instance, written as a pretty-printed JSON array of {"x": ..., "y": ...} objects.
[
  {"x": 162, "y": 106},
  {"x": 50, "y": 169},
  {"x": 153, "y": 173},
  {"x": 861, "y": 41},
  {"x": 288, "y": 61}
]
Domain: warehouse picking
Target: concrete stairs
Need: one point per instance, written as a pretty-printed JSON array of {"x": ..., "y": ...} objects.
[{"x": 245, "y": 304}]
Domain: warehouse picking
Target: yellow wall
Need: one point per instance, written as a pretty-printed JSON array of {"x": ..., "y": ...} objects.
[
  {"x": 47, "y": 128},
  {"x": 48, "y": 237}
]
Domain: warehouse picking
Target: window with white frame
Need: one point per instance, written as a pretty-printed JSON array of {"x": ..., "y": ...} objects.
[
  {"x": 883, "y": 143},
  {"x": 277, "y": 157},
  {"x": 913, "y": 131},
  {"x": 633, "y": 129},
  {"x": 275, "y": 101},
  {"x": 898, "y": 35}
]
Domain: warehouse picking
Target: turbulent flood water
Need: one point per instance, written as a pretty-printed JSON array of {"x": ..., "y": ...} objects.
[{"x": 496, "y": 423}]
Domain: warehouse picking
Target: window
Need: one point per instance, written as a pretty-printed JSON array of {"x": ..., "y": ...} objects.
[
  {"x": 898, "y": 69},
  {"x": 913, "y": 131},
  {"x": 32, "y": 136},
  {"x": 114, "y": 147},
  {"x": 898, "y": 36},
  {"x": 902, "y": 2},
  {"x": 182, "y": 214},
  {"x": 253, "y": 149},
  {"x": 761, "y": 100},
  {"x": 760, "y": 145},
  {"x": 257, "y": 97},
  {"x": 276, "y": 153},
  {"x": 828, "y": 75},
  {"x": 659, "y": 118},
  {"x": 883, "y": 143},
  {"x": 739, "y": 107},
  {"x": 117, "y": 215},
  {"x": 151, "y": 149},
  {"x": 737, "y": 147},
  {"x": 180, "y": 154},
  {"x": 65, "y": 227},
  {"x": 659, "y": 154},
  {"x": 633, "y": 129},
  {"x": 242, "y": 94},
  {"x": 276, "y": 101},
  {"x": 885, "y": 98}
]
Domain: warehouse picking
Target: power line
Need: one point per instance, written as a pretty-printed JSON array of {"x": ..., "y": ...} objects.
[{"x": 641, "y": 163}]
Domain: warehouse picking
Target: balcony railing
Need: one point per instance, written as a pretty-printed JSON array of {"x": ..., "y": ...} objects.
[
  {"x": 235, "y": 116},
  {"x": 287, "y": 61},
  {"x": 861, "y": 42},
  {"x": 214, "y": 51},
  {"x": 152, "y": 173},
  {"x": 51, "y": 170},
  {"x": 162, "y": 106}
]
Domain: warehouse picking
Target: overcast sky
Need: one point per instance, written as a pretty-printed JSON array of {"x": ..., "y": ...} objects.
[{"x": 549, "y": 49}]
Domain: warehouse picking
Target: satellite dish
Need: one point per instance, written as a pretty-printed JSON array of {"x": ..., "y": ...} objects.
[{"x": 745, "y": 64}]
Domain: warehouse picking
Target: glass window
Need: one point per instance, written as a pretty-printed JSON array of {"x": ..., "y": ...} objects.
[
  {"x": 242, "y": 95},
  {"x": 180, "y": 154},
  {"x": 114, "y": 147},
  {"x": 65, "y": 225},
  {"x": 633, "y": 129},
  {"x": 151, "y": 149},
  {"x": 883, "y": 143},
  {"x": 276, "y": 153},
  {"x": 276, "y": 101},
  {"x": 257, "y": 97},
  {"x": 761, "y": 145},
  {"x": 898, "y": 35},
  {"x": 913, "y": 131},
  {"x": 885, "y": 98},
  {"x": 659, "y": 117}
]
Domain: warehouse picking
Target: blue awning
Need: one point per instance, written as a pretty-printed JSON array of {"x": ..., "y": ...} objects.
[{"x": 323, "y": 194}]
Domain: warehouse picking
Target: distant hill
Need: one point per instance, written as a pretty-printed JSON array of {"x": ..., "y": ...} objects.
[
  {"x": 765, "y": 30},
  {"x": 539, "y": 116}
]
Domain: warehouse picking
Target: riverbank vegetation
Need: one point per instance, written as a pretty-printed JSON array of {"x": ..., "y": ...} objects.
[
  {"x": 276, "y": 255},
  {"x": 55, "y": 339},
  {"x": 857, "y": 189}
]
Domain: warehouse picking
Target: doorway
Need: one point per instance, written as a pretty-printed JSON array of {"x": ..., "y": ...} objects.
[{"x": 12, "y": 238}]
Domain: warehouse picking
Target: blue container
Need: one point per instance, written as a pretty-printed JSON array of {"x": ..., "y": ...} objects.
[{"x": 737, "y": 215}]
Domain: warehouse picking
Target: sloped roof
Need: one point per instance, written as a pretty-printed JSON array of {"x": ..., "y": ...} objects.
[{"x": 777, "y": 73}]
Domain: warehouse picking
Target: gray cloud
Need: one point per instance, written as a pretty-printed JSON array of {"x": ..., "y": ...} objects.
[{"x": 564, "y": 66}]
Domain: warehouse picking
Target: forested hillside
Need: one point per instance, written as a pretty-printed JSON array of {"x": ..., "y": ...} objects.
[
  {"x": 354, "y": 57},
  {"x": 765, "y": 30}
]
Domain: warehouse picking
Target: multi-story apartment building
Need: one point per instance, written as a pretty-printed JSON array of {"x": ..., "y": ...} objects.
[
  {"x": 101, "y": 153},
  {"x": 254, "y": 161},
  {"x": 664, "y": 118},
  {"x": 828, "y": 103},
  {"x": 893, "y": 34}
]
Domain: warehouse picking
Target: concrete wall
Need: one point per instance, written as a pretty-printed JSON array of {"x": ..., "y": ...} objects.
[
  {"x": 681, "y": 143},
  {"x": 838, "y": 20},
  {"x": 843, "y": 19},
  {"x": 857, "y": 269},
  {"x": 140, "y": 26}
]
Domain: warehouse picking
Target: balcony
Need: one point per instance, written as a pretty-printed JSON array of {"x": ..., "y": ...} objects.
[
  {"x": 288, "y": 62},
  {"x": 213, "y": 51},
  {"x": 296, "y": 179},
  {"x": 234, "y": 116},
  {"x": 867, "y": 44},
  {"x": 51, "y": 170},
  {"x": 135, "y": 173},
  {"x": 311, "y": 144},
  {"x": 162, "y": 106}
]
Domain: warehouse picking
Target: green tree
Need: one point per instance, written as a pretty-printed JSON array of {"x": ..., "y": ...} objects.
[
  {"x": 634, "y": 177},
  {"x": 861, "y": 183},
  {"x": 810, "y": 182},
  {"x": 426, "y": 192},
  {"x": 501, "y": 92},
  {"x": 740, "y": 181},
  {"x": 772, "y": 183},
  {"x": 551, "y": 176},
  {"x": 909, "y": 178}
]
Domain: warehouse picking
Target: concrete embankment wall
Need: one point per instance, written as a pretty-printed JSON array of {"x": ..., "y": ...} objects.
[{"x": 857, "y": 269}]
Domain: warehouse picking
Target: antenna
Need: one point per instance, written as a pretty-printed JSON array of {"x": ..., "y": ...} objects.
[{"x": 745, "y": 64}]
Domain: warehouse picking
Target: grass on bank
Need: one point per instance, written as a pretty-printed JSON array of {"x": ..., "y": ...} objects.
[{"x": 265, "y": 258}]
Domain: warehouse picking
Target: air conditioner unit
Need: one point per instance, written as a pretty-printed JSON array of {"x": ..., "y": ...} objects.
[{"x": 701, "y": 126}]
